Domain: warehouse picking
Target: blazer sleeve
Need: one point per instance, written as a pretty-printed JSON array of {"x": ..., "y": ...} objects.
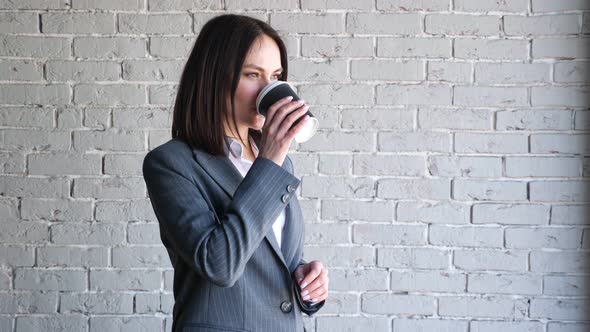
[{"x": 216, "y": 251}]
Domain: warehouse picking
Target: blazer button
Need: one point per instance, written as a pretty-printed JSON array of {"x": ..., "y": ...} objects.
[
  {"x": 290, "y": 188},
  {"x": 286, "y": 306},
  {"x": 285, "y": 198}
]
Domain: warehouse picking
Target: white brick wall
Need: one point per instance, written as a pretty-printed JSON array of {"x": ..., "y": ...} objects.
[{"x": 446, "y": 191}]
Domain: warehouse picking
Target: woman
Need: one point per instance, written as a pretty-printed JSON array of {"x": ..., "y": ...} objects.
[{"x": 223, "y": 189}]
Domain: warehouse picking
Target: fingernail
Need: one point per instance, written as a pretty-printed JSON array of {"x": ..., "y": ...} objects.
[
  {"x": 303, "y": 285},
  {"x": 289, "y": 98},
  {"x": 306, "y": 297}
]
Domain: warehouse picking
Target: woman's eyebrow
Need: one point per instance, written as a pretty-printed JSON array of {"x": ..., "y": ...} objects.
[{"x": 260, "y": 68}]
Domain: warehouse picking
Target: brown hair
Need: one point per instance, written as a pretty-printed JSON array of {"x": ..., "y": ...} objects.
[{"x": 211, "y": 74}]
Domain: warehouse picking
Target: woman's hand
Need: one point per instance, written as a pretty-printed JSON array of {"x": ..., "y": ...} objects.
[
  {"x": 277, "y": 132},
  {"x": 313, "y": 280}
]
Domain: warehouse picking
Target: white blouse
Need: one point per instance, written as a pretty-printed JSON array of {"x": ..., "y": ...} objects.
[{"x": 243, "y": 166}]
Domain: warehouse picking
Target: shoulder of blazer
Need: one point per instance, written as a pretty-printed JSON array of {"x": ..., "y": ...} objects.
[{"x": 175, "y": 153}]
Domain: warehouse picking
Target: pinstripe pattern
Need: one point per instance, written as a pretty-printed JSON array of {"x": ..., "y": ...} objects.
[{"x": 229, "y": 272}]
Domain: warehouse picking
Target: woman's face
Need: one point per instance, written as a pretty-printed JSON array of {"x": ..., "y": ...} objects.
[{"x": 261, "y": 66}]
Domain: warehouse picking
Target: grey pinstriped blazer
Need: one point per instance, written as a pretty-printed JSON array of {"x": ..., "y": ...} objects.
[{"x": 229, "y": 272}]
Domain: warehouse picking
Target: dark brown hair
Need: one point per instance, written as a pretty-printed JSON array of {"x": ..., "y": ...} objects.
[{"x": 211, "y": 74}]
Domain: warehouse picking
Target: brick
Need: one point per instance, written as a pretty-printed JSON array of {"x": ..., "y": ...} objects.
[
  {"x": 35, "y": 46},
  {"x": 559, "y": 143},
  {"x": 564, "y": 285},
  {"x": 428, "y": 324},
  {"x": 79, "y": 23},
  {"x": 50, "y": 279},
  {"x": 34, "y": 140},
  {"x": 407, "y": 304},
  {"x": 560, "y": 96},
  {"x": 572, "y": 71},
  {"x": 29, "y": 94},
  {"x": 171, "y": 46},
  {"x": 490, "y": 190},
  {"x": 439, "y": 118},
  {"x": 428, "y": 281},
  {"x": 346, "y": 94},
  {"x": 352, "y": 324},
  {"x": 500, "y": 283},
  {"x": 12, "y": 22},
  {"x": 325, "y": 4},
  {"x": 506, "y": 326},
  {"x": 561, "y": 48},
  {"x": 150, "y": 70},
  {"x": 184, "y": 4},
  {"x": 324, "y": 23},
  {"x": 26, "y": 117},
  {"x": 407, "y": 70},
  {"x": 462, "y": 25},
  {"x": 327, "y": 234},
  {"x": 559, "y": 309},
  {"x": 433, "y": 212},
  {"x": 109, "y": 4},
  {"x": 56, "y": 209},
  {"x": 73, "y": 322},
  {"x": 339, "y": 256},
  {"x": 511, "y": 214},
  {"x": 490, "y": 96},
  {"x": 389, "y": 234},
  {"x": 468, "y": 142},
  {"x": 490, "y": 260},
  {"x": 570, "y": 214},
  {"x": 330, "y": 70},
  {"x": 421, "y": 258},
  {"x": 358, "y": 280},
  {"x": 64, "y": 163},
  {"x": 18, "y": 186},
  {"x": 465, "y": 236},
  {"x": 484, "y": 307},
  {"x": 542, "y": 167},
  {"x": 511, "y": 72},
  {"x": 321, "y": 46},
  {"x": 546, "y": 237},
  {"x": 340, "y": 141},
  {"x": 437, "y": 189},
  {"x": 111, "y": 94},
  {"x": 430, "y": 94},
  {"x": 87, "y": 234},
  {"x": 552, "y": 6},
  {"x": 449, "y": 72},
  {"x": 96, "y": 303},
  {"x": 34, "y": 4},
  {"x": 344, "y": 210},
  {"x": 132, "y": 323},
  {"x": 154, "y": 23},
  {"x": 408, "y": 5},
  {"x": 392, "y": 165},
  {"x": 541, "y": 25},
  {"x": 140, "y": 256},
  {"x": 415, "y": 141},
  {"x": 534, "y": 120},
  {"x": 414, "y": 47},
  {"x": 110, "y": 47},
  {"x": 520, "y": 6},
  {"x": 68, "y": 256},
  {"x": 134, "y": 280},
  {"x": 377, "y": 118},
  {"x": 383, "y": 23},
  {"x": 464, "y": 166},
  {"x": 559, "y": 261},
  {"x": 559, "y": 191},
  {"x": 494, "y": 49},
  {"x": 82, "y": 71}
]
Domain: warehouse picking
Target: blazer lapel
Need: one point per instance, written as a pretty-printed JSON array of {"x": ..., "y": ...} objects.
[{"x": 224, "y": 173}]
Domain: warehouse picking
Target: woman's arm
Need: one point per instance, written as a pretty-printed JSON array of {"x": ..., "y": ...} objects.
[{"x": 217, "y": 252}]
